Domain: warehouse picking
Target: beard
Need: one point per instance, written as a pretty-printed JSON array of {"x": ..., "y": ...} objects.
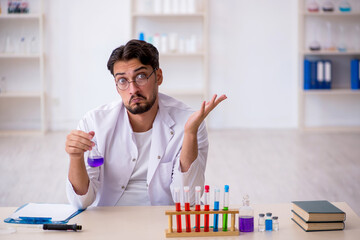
[{"x": 139, "y": 108}]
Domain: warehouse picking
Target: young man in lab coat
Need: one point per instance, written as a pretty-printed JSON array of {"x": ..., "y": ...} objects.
[{"x": 150, "y": 142}]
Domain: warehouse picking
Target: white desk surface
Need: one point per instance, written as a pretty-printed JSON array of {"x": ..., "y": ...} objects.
[{"x": 151, "y": 223}]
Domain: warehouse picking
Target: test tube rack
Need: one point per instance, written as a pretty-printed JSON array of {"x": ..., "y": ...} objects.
[{"x": 172, "y": 233}]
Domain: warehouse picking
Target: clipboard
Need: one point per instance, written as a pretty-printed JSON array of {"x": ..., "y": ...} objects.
[{"x": 43, "y": 213}]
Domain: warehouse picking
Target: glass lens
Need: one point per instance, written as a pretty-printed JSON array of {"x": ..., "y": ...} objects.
[
  {"x": 122, "y": 83},
  {"x": 141, "y": 79}
]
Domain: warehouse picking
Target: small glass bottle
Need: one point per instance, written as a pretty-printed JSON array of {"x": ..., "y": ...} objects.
[
  {"x": 344, "y": 6},
  {"x": 268, "y": 222},
  {"x": 329, "y": 44},
  {"x": 275, "y": 221},
  {"x": 342, "y": 42},
  {"x": 261, "y": 222},
  {"x": 95, "y": 159},
  {"x": 328, "y": 6},
  {"x": 312, "y": 6},
  {"x": 246, "y": 216}
]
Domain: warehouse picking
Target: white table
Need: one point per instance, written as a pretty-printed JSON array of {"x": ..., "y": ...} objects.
[{"x": 151, "y": 223}]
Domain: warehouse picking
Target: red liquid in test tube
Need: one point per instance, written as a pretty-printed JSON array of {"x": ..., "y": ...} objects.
[
  {"x": 187, "y": 208},
  {"x": 206, "y": 208},
  {"x": 177, "y": 208},
  {"x": 197, "y": 208}
]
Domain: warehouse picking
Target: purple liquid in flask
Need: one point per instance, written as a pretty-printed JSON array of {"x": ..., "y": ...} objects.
[{"x": 95, "y": 159}]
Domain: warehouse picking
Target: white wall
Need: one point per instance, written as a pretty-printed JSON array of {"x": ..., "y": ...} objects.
[
  {"x": 79, "y": 37},
  {"x": 252, "y": 59}
]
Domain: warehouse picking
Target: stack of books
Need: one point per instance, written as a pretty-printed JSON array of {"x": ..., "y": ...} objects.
[{"x": 318, "y": 216}]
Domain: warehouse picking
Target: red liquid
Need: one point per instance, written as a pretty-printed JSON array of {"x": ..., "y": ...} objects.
[
  {"x": 206, "y": 219},
  {"x": 197, "y": 218},
  {"x": 178, "y": 218},
  {"x": 187, "y": 218}
]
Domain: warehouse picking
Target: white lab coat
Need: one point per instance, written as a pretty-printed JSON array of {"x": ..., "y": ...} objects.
[{"x": 115, "y": 139}]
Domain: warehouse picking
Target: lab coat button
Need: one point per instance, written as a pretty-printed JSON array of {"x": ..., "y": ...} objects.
[
  {"x": 147, "y": 185},
  {"x": 172, "y": 133},
  {"x": 134, "y": 159},
  {"x": 123, "y": 187},
  {"x": 159, "y": 157}
]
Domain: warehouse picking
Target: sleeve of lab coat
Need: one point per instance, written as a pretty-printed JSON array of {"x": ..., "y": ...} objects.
[
  {"x": 83, "y": 201},
  {"x": 195, "y": 176}
]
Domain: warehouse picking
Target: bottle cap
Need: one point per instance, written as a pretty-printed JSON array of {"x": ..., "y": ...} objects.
[
  {"x": 261, "y": 215},
  {"x": 197, "y": 188},
  {"x": 226, "y": 188},
  {"x": 275, "y": 217},
  {"x": 176, "y": 189},
  {"x": 207, "y": 188},
  {"x": 269, "y": 214},
  {"x": 186, "y": 188}
]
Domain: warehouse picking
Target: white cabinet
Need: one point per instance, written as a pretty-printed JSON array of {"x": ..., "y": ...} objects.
[
  {"x": 179, "y": 29},
  {"x": 22, "y": 95},
  {"x": 337, "y": 34}
]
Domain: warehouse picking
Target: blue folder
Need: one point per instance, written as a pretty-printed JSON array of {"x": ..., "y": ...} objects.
[
  {"x": 37, "y": 219},
  {"x": 307, "y": 74},
  {"x": 355, "y": 80}
]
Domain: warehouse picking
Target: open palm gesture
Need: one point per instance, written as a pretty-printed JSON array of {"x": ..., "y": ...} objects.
[{"x": 197, "y": 117}]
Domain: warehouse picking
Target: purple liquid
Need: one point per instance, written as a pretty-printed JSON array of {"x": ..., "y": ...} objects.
[
  {"x": 246, "y": 224},
  {"x": 95, "y": 161}
]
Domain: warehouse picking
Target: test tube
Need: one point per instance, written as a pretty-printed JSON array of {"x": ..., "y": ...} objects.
[
  {"x": 216, "y": 208},
  {"x": 225, "y": 208},
  {"x": 206, "y": 207},
  {"x": 197, "y": 207},
  {"x": 177, "y": 208},
  {"x": 187, "y": 208}
]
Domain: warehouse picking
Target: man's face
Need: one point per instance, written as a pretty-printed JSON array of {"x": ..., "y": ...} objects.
[{"x": 137, "y": 99}]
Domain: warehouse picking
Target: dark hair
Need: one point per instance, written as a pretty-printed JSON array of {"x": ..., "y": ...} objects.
[{"x": 145, "y": 52}]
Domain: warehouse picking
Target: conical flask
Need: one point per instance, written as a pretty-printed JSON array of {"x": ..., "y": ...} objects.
[{"x": 95, "y": 159}]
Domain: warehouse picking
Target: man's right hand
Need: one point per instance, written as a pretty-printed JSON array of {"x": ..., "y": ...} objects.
[{"x": 78, "y": 142}]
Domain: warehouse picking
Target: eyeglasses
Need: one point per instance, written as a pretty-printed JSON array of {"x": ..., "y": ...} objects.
[{"x": 140, "y": 80}]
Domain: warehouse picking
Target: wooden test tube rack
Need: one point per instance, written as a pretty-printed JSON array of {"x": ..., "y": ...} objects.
[{"x": 170, "y": 232}]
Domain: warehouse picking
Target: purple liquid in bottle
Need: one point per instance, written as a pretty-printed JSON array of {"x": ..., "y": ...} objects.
[
  {"x": 95, "y": 161},
  {"x": 246, "y": 224}
]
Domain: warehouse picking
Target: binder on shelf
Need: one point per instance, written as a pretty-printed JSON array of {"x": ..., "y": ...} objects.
[
  {"x": 43, "y": 213},
  {"x": 314, "y": 82},
  {"x": 355, "y": 75},
  {"x": 327, "y": 74},
  {"x": 317, "y": 74},
  {"x": 320, "y": 75},
  {"x": 307, "y": 74}
]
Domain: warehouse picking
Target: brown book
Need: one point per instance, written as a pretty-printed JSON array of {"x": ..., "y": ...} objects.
[
  {"x": 317, "y": 226},
  {"x": 318, "y": 211}
]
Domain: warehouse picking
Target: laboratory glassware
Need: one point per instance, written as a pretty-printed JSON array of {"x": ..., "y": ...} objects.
[
  {"x": 187, "y": 207},
  {"x": 177, "y": 208},
  {"x": 225, "y": 208},
  {"x": 268, "y": 222},
  {"x": 95, "y": 159},
  {"x": 206, "y": 208},
  {"x": 261, "y": 222},
  {"x": 246, "y": 216},
  {"x": 197, "y": 207}
]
